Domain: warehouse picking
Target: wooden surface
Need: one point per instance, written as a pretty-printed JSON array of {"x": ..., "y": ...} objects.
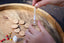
[{"x": 51, "y": 21}]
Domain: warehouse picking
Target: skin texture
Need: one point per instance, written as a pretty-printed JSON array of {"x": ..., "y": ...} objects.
[
  {"x": 40, "y": 3},
  {"x": 34, "y": 36}
]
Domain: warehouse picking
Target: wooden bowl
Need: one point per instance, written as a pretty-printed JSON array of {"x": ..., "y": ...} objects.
[{"x": 43, "y": 13}]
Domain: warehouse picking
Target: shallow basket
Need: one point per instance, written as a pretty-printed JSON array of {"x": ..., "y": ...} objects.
[{"x": 43, "y": 13}]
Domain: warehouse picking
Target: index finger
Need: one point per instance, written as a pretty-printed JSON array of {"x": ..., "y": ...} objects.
[
  {"x": 25, "y": 41},
  {"x": 34, "y": 2}
]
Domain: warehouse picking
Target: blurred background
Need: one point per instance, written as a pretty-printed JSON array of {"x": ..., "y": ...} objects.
[{"x": 54, "y": 11}]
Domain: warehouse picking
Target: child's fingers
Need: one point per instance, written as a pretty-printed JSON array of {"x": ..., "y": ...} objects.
[
  {"x": 41, "y": 3},
  {"x": 28, "y": 34},
  {"x": 32, "y": 30},
  {"x": 25, "y": 41},
  {"x": 26, "y": 38},
  {"x": 34, "y": 2},
  {"x": 41, "y": 27}
]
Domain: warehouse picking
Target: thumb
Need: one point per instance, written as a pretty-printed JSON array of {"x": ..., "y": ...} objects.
[
  {"x": 34, "y": 2},
  {"x": 41, "y": 3}
]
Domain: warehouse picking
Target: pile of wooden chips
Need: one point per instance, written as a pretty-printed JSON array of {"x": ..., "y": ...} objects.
[{"x": 17, "y": 22}]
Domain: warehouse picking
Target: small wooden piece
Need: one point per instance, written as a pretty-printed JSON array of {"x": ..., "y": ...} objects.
[
  {"x": 21, "y": 22},
  {"x": 22, "y": 33},
  {"x": 15, "y": 21},
  {"x": 34, "y": 18},
  {"x": 26, "y": 25},
  {"x": 17, "y": 30},
  {"x": 14, "y": 26}
]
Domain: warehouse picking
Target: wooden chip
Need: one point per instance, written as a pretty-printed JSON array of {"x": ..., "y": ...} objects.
[
  {"x": 26, "y": 25},
  {"x": 17, "y": 30},
  {"x": 21, "y": 22},
  {"x": 15, "y": 21},
  {"x": 22, "y": 33},
  {"x": 14, "y": 26}
]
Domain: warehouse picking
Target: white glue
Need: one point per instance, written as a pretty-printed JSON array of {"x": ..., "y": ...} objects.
[
  {"x": 15, "y": 38},
  {"x": 34, "y": 18}
]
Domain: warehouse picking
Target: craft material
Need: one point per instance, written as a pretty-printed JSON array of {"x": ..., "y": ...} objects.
[
  {"x": 8, "y": 38},
  {"x": 17, "y": 30},
  {"x": 15, "y": 38},
  {"x": 15, "y": 21},
  {"x": 21, "y": 22},
  {"x": 26, "y": 25},
  {"x": 3, "y": 39},
  {"x": 10, "y": 34},
  {"x": 11, "y": 16},
  {"x": 14, "y": 26},
  {"x": 6, "y": 35},
  {"x": 22, "y": 33},
  {"x": 34, "y": 17}
]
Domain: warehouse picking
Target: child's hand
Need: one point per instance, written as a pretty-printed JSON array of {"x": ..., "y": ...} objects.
[
  {"x": 40, "y": 3},
  {"x": 34, "y": 36}
]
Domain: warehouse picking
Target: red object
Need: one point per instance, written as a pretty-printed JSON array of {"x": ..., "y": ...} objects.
[
  {"x": 6, "y": 35},
  {"x": 8, "y": 38},
  {"x": 3, "y": 39}
]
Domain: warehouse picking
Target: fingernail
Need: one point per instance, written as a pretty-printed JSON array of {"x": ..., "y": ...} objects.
[
  {"x": 36, "y": 5},
  {"x": 33, "y": 4}
]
